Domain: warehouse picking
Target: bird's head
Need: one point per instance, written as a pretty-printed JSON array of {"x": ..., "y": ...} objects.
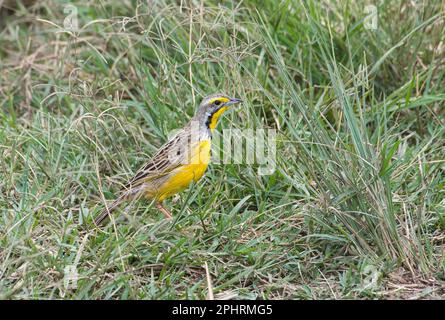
[{"x": 213, "y": 106}]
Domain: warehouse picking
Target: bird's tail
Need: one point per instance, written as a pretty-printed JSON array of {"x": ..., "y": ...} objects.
[{"x": 107, "y": 211}]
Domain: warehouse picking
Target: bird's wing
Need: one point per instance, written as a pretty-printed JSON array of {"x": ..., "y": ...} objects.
[{"x": 169, "y": 157}]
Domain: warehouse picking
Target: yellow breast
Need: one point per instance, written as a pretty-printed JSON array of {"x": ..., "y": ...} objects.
[{"x": 182, "y": 176}]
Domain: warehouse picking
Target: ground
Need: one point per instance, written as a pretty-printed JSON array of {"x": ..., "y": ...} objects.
[{"x": 354, "y": 209}]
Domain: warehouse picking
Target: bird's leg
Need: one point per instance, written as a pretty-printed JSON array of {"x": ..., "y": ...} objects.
[{"x": 161, "y": 208}]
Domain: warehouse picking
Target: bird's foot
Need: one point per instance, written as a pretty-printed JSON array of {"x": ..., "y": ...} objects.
[{"x": 166, "y": 213}]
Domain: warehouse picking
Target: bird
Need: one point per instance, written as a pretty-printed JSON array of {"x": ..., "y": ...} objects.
[{"x": 183, "y": 159}]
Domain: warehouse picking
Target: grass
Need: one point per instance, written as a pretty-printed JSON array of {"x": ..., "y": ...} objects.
[{"x": 354, "y": 209}]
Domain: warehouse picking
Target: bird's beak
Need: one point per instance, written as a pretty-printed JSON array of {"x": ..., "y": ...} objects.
[{"x": 233, "y": 101}]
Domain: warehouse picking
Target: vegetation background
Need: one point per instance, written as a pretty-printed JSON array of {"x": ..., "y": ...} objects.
[{"x": 355, "y": 208}]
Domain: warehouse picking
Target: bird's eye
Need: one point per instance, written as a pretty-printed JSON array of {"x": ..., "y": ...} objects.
[{"x": 217, "y": 103}]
